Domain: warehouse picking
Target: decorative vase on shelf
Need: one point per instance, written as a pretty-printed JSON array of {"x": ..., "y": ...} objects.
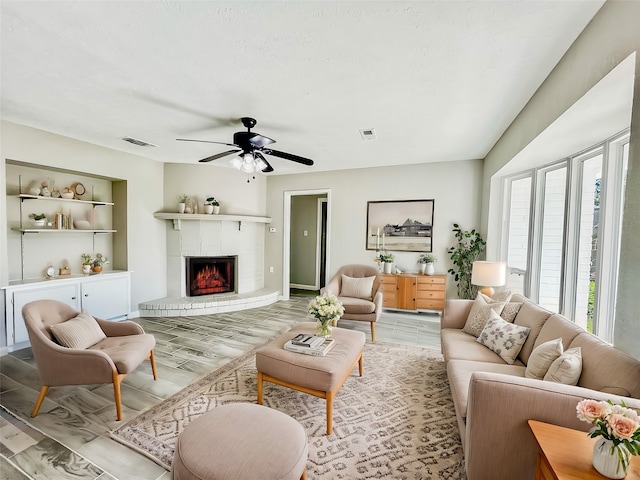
[
  {"x": 86, "y": 269},
  {"x": 429, "y": 268},
  {"x": 324, "y": 328},
  {"x": 388, "y": 266},
  {"x": 188, "y": 209},
  {"x": 97, "y": 268},
  {"x": 608, "y": 459},
  {"x": 216, "y": 209},
  {"x": 422, "y": 268},
  {"x": 181, "y": 207},
  {"x": 208, "y": 208}
]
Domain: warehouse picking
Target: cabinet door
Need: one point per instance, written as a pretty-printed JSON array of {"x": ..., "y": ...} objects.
[
  {"x": 406, "y": 293},
  {"x": 107, "y": 298},
  {"x": 63, "y": 293}
]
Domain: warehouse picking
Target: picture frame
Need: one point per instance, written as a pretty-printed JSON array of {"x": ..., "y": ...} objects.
[{"x": 400, "y": 225}]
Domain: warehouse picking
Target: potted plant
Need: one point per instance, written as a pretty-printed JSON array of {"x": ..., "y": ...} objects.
[
  {"x": 211, "y": 205},
  {"x": 386, "y": 259},
  {"x": 468, "y": 247},
  {"x": 39, "y": 219},
  {"x": 98, "y": 262},
  {"x": 87, "y": 260},
  {"x": 426, "y": 262},
  {"x": 183, "y": 201}
]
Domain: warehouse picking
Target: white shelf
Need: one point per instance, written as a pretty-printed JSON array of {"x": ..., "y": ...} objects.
[
  {"x": 26, "y": 196},
  {"x": 210, "y": 218},
  {"x": 62, "y": 230}
]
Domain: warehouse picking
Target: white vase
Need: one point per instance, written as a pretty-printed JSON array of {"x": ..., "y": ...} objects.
[
  {"x": 606, "y": 459},
  {"x": 429, "y": 269},
  {"x": 86, "y": 269},
  {"x": 387, "y": 267},
  {"x": 181, "y": 207},
  {"x": 422, "y": 268},
  {"x": 208, "y": 208},
  {"x": 216, "y": 209}
]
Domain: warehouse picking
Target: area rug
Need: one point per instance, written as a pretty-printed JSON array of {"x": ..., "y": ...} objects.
[{"x": 397, "y": 421}]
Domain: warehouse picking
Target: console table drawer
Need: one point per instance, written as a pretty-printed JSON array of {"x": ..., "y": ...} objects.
[{"x": 430, "y": 304}]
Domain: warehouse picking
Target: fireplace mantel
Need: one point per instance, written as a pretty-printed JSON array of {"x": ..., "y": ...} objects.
[{"x": 178, "y": 217}]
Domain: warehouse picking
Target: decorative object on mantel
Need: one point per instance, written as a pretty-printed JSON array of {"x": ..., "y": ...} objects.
[
  {"x": 619, "y": 429},
  {"x": 211, "y": 205},
  {"x": 426, "y": 262},
  {"x": 386, "y": 259},
  {"x": 467, "y": 249},
  {"x": 91, "y": 263},
  {"x": 183, "y": 200},
  {"x": 327, "y": 310}
]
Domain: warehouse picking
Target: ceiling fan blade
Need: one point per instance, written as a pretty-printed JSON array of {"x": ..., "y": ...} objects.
[
  {"x": 269, "y": 168},
  {"x": 205, "y": 141},
  {"x": 260, "y": 141},
  {"x": 219, "y": 155},
  {"x": 289, "y": 156}
]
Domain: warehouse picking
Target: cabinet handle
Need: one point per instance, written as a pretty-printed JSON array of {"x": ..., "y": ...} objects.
[
  {"x": 86, "y": 294},
  {"x": 73, "y": 298}
]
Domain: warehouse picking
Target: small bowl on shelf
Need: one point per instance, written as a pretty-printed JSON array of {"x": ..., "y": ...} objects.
[
  {"x": 67, "y": 195},
  {"x": 81, "y": 224}
]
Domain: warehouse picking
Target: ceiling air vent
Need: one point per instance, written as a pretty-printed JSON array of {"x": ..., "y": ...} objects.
[
  {"x": 368, "y": 134},
  {"x": 140, "y": 143}
]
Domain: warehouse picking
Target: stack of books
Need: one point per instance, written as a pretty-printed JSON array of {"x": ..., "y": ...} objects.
[{"x": 310, "y": 344}]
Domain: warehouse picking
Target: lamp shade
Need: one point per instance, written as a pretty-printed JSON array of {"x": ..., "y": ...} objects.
[{"x": 489, "y": 274}]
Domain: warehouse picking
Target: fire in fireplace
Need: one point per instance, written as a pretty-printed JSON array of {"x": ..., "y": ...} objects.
[{"x": 207, "y": 275}]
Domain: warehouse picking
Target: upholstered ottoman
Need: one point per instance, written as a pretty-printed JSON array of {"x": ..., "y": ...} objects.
[
  {"x": 241, "y": 441},
  {"x": 319, "y": 376}
]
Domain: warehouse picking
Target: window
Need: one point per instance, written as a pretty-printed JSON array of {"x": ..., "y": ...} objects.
[{"x": 562, "y": 225}]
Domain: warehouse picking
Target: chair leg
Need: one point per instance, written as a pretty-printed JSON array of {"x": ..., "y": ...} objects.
[
  {"x": 152, "y": 359},
  {"x": 304, "y": 475},
  {"x": 260, "y": 380},
  {"x": 373, "y": 332},
  {"x": 117, "y": 378},
  {"x": 43, "y": 393}
]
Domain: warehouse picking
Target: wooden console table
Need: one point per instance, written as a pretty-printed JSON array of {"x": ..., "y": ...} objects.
[
  {"x": 565, "y": 454},
  {"x": 409, "y": 291}
]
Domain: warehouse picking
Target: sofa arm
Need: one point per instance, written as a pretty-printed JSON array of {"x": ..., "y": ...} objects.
[
  {"x": 455, "y": 313},
  {"x": 499, "y": 443}
]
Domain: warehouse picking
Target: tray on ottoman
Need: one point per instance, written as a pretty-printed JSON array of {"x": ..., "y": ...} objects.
[{"x": 318, "y": 376}]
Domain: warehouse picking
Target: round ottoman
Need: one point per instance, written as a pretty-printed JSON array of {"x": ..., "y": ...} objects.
[{"x": 241, "y": 441}]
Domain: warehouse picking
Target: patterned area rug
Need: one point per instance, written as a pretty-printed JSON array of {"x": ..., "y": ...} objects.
[{"x": 397, "y": 421}]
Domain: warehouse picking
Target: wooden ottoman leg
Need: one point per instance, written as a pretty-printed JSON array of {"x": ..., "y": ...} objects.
[
  {"x": 329, "y": 413},
  {"x": 259, "y": 388},
  {"x": 360, "y": 364}
]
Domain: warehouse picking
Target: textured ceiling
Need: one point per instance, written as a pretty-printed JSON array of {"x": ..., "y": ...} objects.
[{"x": 438, "y": 81}]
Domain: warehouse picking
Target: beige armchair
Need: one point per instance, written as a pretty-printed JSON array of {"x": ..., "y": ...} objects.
[
  {"x": 125, "y": 347},
  {"x": 365, "y": 306}
]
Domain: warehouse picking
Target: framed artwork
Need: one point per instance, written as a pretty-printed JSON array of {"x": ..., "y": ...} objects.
[{"x": 400, "y": 225}]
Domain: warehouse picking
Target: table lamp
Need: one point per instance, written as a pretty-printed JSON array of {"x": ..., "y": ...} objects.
[{"x": 488, "y": 275}]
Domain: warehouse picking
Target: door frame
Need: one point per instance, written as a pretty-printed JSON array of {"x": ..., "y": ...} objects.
[{"x": 286, "y": 234}]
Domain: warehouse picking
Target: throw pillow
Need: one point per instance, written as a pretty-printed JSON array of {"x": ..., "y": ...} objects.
[
  {"x": 79, "y": 333},
  {"x": 357, "y": 287},
  {"x": 542, "y": 357},
  {"x": 479, "y": 314},
  {"x": 566, "y": 368},
  {"x": 504, "y": 338},
  {"x": 501, "y": 296},
  {"x": 510, "y": 311}
]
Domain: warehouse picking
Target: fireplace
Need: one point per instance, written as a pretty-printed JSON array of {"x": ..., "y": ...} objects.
[{"x": 208, "y": 275}]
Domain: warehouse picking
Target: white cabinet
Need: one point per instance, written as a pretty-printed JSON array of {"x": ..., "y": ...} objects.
[{"x": 105, "y": 296}]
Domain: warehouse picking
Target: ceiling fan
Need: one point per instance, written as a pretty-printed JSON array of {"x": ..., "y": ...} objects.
[{"x": 250, "y": 149}]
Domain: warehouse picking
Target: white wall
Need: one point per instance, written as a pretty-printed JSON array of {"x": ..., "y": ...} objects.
[
  {"x": 146, "y": 235},
  {"x": 610, "y": 37},
  {"x": 455, "y": 187}
]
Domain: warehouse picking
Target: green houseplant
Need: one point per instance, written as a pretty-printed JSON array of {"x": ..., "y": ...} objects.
[
  {"x": 39, "y": 219},
  {"x": 211, "y": 205},
  {"x": 426, "y": 262},
  {"x": 469, "y": 245}
]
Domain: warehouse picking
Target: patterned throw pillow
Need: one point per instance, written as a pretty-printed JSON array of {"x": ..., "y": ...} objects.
[
  {"x": 504, "y": 338},
  {"x": 542, "y": 357},
  {"x": 479, "y": 314},
  {"x": 510, "y": 311},
  {"x": 357, "y": 287},
  {"x": 567, "y": 368},
  {"x": 79, "y": 333},
  {"x": 501, "y": 296}
]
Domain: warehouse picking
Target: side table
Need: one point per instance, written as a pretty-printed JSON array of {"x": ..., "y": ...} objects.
[{"x": 565, "y": 454}]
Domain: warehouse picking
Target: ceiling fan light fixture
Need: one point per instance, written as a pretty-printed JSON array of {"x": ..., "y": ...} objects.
[
  {"x": 260, "y": 164},
  {"x": 236, "y": 162}
]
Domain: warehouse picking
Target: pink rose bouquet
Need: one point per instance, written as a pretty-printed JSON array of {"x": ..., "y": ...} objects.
[{"x": 617, "y": 423}]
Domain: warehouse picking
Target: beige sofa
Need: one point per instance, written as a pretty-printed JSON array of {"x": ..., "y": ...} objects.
[{"x": 493, "y": 400}]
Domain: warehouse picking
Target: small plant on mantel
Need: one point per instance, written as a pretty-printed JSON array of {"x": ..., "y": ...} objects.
[
  {"x": 184, "y": 198},
  {"x": 212, "y": 201},
  {"x": 427, "y": 258},
  {"x": 386, "y": 257},
  {"x": 38, "y": 216},
  {"x": 87, "y": 259}
]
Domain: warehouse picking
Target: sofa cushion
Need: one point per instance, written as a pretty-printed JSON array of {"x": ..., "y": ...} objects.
[
  {"x": 357, "y": 305},
  {"x": 461, "y": 346},
  {"x": 533, "y": 317},
  {"x": 357, "y": 287},
  {"x": 79, "y": 332},
  {"x": 510, "y": 311},
  {"x": 566, "y": 368},
  {"x": 542, "y": 357},
  {"x": 558, "y": 326},
  {"x": 504, "y": 338},
  {"x": 607, "y": 369},
  {"x": 127, "y": 352},
  {"x": 479, "y": 314},
  {"x": 460, "y": 371}
]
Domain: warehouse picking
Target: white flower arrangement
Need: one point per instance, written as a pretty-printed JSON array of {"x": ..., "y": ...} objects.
[{"x": 326, "y": 308}]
